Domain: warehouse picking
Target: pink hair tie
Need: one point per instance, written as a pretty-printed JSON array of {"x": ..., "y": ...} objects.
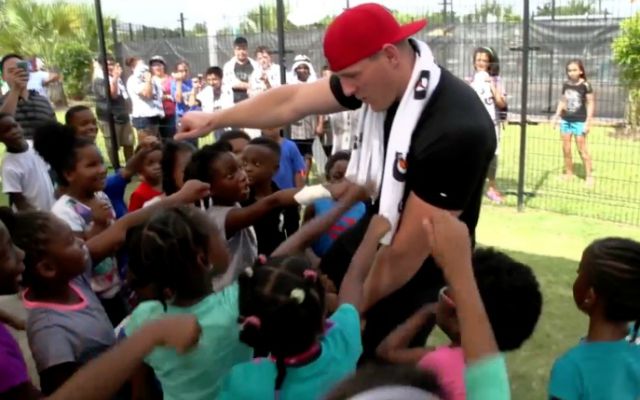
[
  {"x": 262, "y": 259},
  {"x": 251, "y": 320},
  {"x": 310, "y": 274}
]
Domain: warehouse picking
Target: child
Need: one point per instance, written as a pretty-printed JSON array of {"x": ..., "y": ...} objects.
[
  {"x": 512, "y": 300},
  {"x": 487, "y": 83},
  {"x": 82, "y": 120},
  {"x": 606, "y": 364},
  {"x": 24, "y": 172},
  {"x": 282, "y": 307},
  {"x": 84, "y": 206},
  {"x": 99, "y": 379},
  {"x": 151, "y": 178},
  {"x": 67, "y": 325},
  {"x": 291, "y": 171},
  {"x": 175, "y": 157},
  {"x": 260, "y": 161},
  {"x": 176, "y": 253},
  {"x": 214, "y": 96},
  {"x": 334, "y": 173},
  {"x": 238, "y": 139},
  {"x": 575, "y": 109}
]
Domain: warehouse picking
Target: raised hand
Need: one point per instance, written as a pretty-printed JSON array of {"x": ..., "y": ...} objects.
[
  {"x": 448, "y": 239},
  {"x": 192, "y": 191}
]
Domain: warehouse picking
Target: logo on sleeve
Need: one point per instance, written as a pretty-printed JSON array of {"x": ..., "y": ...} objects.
[
  {"x": 420, "y": 90},
  {"x": 400, "y": 167}
]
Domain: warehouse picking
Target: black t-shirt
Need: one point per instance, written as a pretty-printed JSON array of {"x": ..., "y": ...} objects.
[
  {"x": 576, "y": 101},
  {"x": 243, "y": 73},
  {"x": 274, "y": 228},
  {"x": 451, "y": 148}
]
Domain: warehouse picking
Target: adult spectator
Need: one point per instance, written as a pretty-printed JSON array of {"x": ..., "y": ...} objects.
[
  {"x": 40, "y": 78},
  {"x": 146, "y": 99},
  {"x": 268, "y": 75},
  {"x": 28, "y": 107},
  {"x": 239, "y": 71},
  {"x": 425, "y": 139},
  {"x": 159, "y": 71},
  {"x": 119, "y": 109},
  {"x": 303, "y": 130}
]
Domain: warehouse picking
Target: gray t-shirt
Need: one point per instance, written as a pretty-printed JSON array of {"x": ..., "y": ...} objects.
[
  {"x": 68, "y": 333},
  {"x": 243, "y": 247}
]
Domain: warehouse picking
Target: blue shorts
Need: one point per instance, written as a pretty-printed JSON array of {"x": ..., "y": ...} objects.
[{"x": 572, "y": 128}]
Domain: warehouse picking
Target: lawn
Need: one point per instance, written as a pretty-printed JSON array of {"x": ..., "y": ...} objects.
[
  {"x": 616, "y": 194},
  {"x": 552, "y": 245}
]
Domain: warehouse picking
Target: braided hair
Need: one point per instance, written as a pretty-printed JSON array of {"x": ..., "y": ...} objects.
[
  {"x": 612, "y": 267},
  {"x": 170, "y": 252},
  {"x": 282, "y": 307},
  {"x": 169, "y": 159},
  {"x": 201, "y": 164},
  {"x": 31, "y": 231},
  {"x": 58, "y": 145}
]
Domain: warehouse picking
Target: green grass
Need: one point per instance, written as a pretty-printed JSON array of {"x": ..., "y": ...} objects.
[
  {"x": 616, "y": 194},
  {"x": 552, "y": 245}
]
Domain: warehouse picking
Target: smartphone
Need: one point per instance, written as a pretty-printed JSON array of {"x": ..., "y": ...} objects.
[{"x": 24, "y": 65}]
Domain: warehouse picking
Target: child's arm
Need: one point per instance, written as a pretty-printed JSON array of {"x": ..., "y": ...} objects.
[
  {"x": 21, "y": 202},
  {"x": 103, "y": 377},
  {"x": 310, "y": 231},
  {"x": 108, "y": 241},
  {"x": 450, "y": 244},
  {"x": 309, "y": 213},
  {"x": 498, "y": 94},
  {"x": 559, "y": 109},
  {"x": 591, "y": 109},
  {"x": 11, "y": 320},
  {"x": 395, "y": 347},
  {"x": 351, "y": 289}
]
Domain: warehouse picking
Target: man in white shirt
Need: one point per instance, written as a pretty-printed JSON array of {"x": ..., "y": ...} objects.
[
  {"x": 268, "y": 76},
  {"x": 39, "y": 79},
  {"x": 146, "y": 99}
]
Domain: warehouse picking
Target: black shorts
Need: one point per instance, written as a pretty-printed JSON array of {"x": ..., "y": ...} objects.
[{"x": 396, "y": 308}]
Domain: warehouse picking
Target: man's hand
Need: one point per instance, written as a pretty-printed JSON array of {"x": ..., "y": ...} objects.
[
  {"x": 195, "y": 124},
  {"x": 18, "y": 79}
]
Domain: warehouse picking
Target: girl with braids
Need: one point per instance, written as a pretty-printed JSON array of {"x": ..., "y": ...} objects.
[
  {"x": 173, "y": 256},
  {"x": 282, "y": 308},
  {"x": 66, "y": 325},
  {"x": 606, "y": 363},
  {"x": 87, "y": 210},
  {"x": 175, "y": 157}
]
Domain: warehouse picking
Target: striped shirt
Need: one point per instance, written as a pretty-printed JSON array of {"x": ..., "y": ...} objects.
[{"x": 32, "y": 112}]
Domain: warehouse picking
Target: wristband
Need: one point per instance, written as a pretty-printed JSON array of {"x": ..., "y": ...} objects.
[{"x": 309, "y": 194}]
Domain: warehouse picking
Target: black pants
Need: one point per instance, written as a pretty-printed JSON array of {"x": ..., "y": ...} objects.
[{"x": 396, "y": 308}]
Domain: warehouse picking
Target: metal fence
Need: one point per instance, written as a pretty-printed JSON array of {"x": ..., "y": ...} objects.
[{"x": 453, "y": 32}]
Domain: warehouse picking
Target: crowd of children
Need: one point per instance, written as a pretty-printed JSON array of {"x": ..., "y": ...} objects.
[{"x": 205, "y": 283}]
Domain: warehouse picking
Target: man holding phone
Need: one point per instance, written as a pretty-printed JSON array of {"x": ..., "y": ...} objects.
[{"x": 29, "y": 108}]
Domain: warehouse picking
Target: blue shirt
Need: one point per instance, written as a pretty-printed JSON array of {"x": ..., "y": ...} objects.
[
  {"x": 291, "y": 164},
  {"x": 346, "y": 221},
  {"x": 597, "y": 371},
  {"x": 187, "y": 88},
  {"x": 115, "y": 187},
  {"x": 341, "y": 348}
]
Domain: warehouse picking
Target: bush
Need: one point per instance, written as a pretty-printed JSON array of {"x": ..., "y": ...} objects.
[
  {"x": 75, "y": 62},
  {"x": 626, "y": 53}
]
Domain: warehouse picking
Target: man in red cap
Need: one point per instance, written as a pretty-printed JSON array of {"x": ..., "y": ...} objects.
[{"x": 424, "y": 138}]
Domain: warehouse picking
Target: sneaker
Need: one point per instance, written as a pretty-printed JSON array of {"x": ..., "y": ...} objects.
[
  {"x": 589, "y": 182},
  {"x": 494, "y": 196}
]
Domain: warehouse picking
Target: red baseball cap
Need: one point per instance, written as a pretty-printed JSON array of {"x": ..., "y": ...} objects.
[{"x": 361, "y": 32}]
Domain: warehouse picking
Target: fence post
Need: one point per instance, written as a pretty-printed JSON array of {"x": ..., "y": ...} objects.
[
  {"x": 281, "y": 50},
  {"x": 117, "y": 53},
  {"x": 130, "y": 32},
  {"x": 523, "y": 108},
  {"x": 261, "y": 19},
  {"x": 182, "y": 25},
  {"x": 144, "y": 32},
  {"x": 105, "y": 71}
]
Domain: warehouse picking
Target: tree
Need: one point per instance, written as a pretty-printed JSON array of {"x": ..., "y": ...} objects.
[
  {"x": 626, "y": 53},
  {"x": 55, "y": 32},
  {"x": 575, "y": 7}
]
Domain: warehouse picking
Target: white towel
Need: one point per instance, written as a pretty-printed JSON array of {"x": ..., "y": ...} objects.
[{"x": 367, "y": 161}]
